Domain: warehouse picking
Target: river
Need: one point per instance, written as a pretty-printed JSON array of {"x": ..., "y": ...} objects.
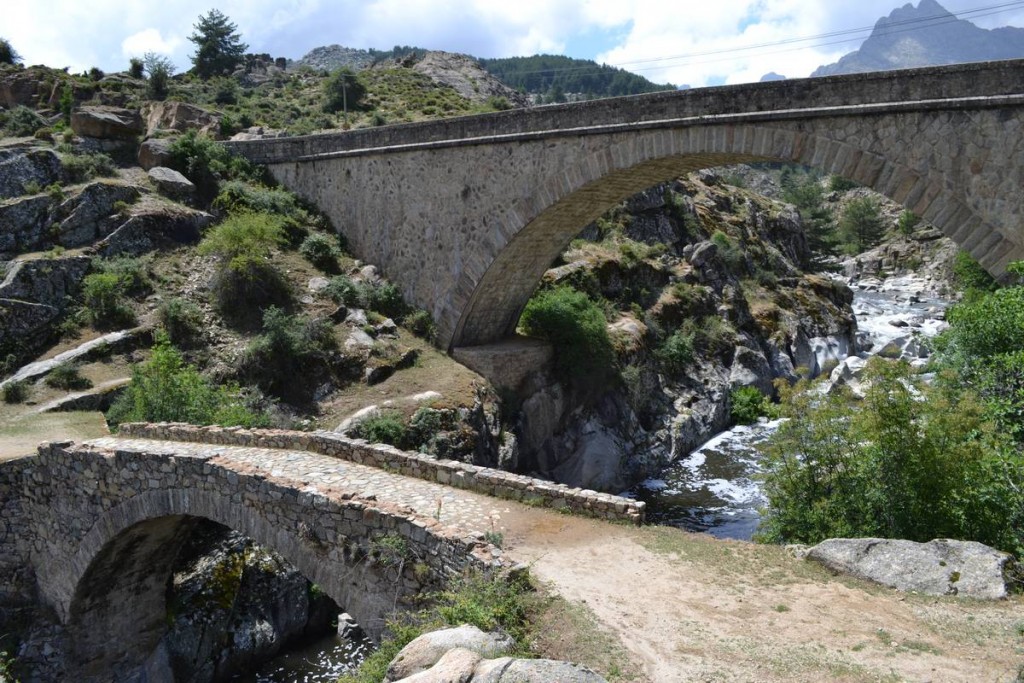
[{"x": 715, "y": 489}]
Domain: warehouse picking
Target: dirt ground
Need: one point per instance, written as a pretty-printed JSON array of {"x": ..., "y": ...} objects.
[{"x": 688, "y": 607}]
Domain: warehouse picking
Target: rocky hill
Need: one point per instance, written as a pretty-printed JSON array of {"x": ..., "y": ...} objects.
[{"x": 927, "y": 35}]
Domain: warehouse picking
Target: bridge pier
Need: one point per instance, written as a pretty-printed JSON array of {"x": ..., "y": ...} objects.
[{"x": 509, "y": 363}]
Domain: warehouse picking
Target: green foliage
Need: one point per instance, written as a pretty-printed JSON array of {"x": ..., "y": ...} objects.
[
  {"x": 288, "y": 355},
  {"x": 166, "y": 389},
  {"x": 206, "y": 163},
  {"x": 237, "y": 196},
  {"x": 22, "y": 122},
  {"x": 379, "y": 296},
  {"x": 322, "y": 251},
  {"x": 159, "y": 69},
  {"x": 343, "y": 91},
  {"x": 986, "y": 326},
  {"x": 67, "y": 101},
  {"x": 576, "y": 328},
  {"x": 374, "y": 668},
  {"x": 676, "y": 353},
  {"x": 803, "y": 191},
  {"x": 244, "y": 237},
  {"x": 81, "y": 167},
  {"x": 748, "y": 404},
  {"x": 421, "y": 323},
  {"x": 912, "y": 462},
  {"x": 860, "y": 225},
  {"x": 8, "y": 55},
  {"x": 553, "y": 74},
  {"x": 16, "y": 392},
  {"x": 968, "y": 274},
  {"x": 67, "y": 376},
  {"x": 729, "y": 252},
  {"x": 383, "y": 427},
  {"x": 136, "y": 68},
  {"x": 105, "y": 300},
  {"x": 219, "y": 48},
  {"x": 489, "y": 604},
  {"x": 838, "y": 183},
  {"x": 907, "y": 221},
  {"x": 182, "y": 321}
]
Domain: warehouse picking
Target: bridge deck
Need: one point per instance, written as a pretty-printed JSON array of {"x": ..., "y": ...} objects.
[{"x": 470, "y": 512}]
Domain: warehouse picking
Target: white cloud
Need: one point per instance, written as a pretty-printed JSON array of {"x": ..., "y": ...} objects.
[{"x": 148, "y": 40}]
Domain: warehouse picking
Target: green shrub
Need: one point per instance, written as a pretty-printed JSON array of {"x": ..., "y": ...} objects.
[
  {"x": 343, "y": 290},
  {"x": 576, "y": 328},
  {"x": 322, "y": 251},
  {"x": 838, "y": 183},
  {"x": 378, "y": 296},
  {"x": 166, "y": 389},
  {"x": 206, "y": 163},
  {"x": 676, "y": 353},
  {"x": 8, "y": 55},
  {"x": 906, "y": 223},
  {"x": 83, "y": 167},
  {"x": 384, "y": 427},
  {"x": 969, "y": 275},
  {"x": 136, "y": 69},
  {"x": 67, "y": 376},
  {"x": 910, "y": 462},
  {"x": 421, "y": 324},
  {"x": 289, "y": 354},
  {"x": 22, "y": 122},
  {"x": 237, "y": 196},
  {"x": 182, "y": 321},
  {"x": 748, "y": 404},
  {"x": 105, "y": 299},
  {"x": 16, "y": 392},
  {"x": 160, "y": 69},
  {"x": 244, "y": 237},
  {"x": 133, "y": 272}
]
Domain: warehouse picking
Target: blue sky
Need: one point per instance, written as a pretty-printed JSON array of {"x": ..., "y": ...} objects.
[{"x": 694, "y": 42}]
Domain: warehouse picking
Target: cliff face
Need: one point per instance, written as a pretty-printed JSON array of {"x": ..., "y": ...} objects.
[
  {"x": 927, "y": 35},
  {"x": 708, "y": 293}
]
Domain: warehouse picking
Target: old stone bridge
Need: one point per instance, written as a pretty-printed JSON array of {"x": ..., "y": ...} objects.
[
  {"x": 89, "y": 532},
  {"x": 466, "y": 214}
]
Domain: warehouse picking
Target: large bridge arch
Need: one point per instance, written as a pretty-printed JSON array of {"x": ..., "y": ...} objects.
[{"x": 465, "y": 214}]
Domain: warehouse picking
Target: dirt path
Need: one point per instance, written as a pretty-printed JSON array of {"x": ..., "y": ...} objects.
[{"x": 691, "y": 608}]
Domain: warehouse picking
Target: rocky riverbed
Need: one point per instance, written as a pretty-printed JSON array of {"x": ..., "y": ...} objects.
[{"x": 715, "y": 489}]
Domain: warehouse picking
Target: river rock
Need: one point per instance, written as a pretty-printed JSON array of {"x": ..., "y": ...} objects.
[
  {"x": 425, "y": 651},
  {"x": 750, "y": 369},
  {"x": 507, "y": 670},
  {"x": 939, "y": 567},
  {"x": 171, "y": 183},
  {"x": 106, "y": 122}
]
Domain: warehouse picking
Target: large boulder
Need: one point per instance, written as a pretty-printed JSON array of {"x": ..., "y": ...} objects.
[
  {"x": 20, "y": 87},
  {"x": 939, "y": 567},
  {"x": 425, "y": 651},
  {"x": 508, "y": 670},
  {"x": 155, "y": 152},
  {"x": 171, "y": 183},
  {"x": 21, "y": 168},
  {"x": 155, "y": 227},
  {"x": 164, "y": 116},
  {"x": 106, "y": 122},
  {"x": 33, "y": 297}
]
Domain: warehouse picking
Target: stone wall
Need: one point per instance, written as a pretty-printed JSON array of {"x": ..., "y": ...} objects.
[{"x": 484, "y": 480}]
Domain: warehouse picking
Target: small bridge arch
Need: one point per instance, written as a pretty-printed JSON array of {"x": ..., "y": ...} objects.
[{"x": 466, "y": 214}]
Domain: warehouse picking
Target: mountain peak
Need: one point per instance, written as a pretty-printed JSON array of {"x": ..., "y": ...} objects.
[{"x": 927, "y": 35}]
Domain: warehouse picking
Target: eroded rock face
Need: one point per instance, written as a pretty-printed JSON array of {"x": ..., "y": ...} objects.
[
  {"x": 467, "y": 77},
  {"x": 18, "y": 169},
  {"x": 180, "y": 117},
  {"x": 939, "y": 567},
  {"x": 33, "y": 296},
  {"x": 106, "y": 122},
  {"x": 155, "y": 152},
  {"x": 171, "y": 183}
]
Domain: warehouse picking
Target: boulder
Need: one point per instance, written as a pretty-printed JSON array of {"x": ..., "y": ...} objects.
[
  {"x": 425, "y": 651},
  {"x": 454, "y": 666},
  {"x": 106, "y": 122},
  {"x": 508, "y": 670},
  {"x": 171, "y": 183},
  {"x": 85, "y": 212},
  {"x": 19, "y": 168},
  {"x": 750, "y": 369},
  {"x": 179, "y": 116},
  {"x": 939, "y": 567},
  {"x": 21, "y": 87},
  {"x": 155, "y": 152},
  {"x": 34, "y": 296},
  {"x": 154, "y": 229}
]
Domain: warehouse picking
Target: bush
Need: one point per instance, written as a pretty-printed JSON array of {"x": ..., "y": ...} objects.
[
  {"x": 206, "y": 163},
  {"x": 676, "y": 353},
  {"x": 182, "y": 321},
  {"x": 67, "y": 376},
  {"x": 160, "y": 70},
  {"x": 104, "y": 296},
  {"x": 136, "y": 68},
  {"x": 289, "y": 355},
  {"x": 420, "y": 323},
  {"x": 322, "y": 251},
  {"x": 237, "y": 196},
  {"x": 838, "y": 183},
  {"x": 16, "y": 392},
  {"x": 748, "y": 404},
  {"x": 8, "y": 55},
  {"x": 82, "y": 167},
  {"x": 244, "y": 237},
  {"x": 968, "y": 274},
  {"x": 576, "y": 328},
  {"x": 911, "y": 462},
  {"x": 380, "y": 297},
  {"x": 22, "y": 122},
  {"x": 166, "y": 389},
  {"x": 906, "y": 223},
  {"x": 386, "y": 427}
]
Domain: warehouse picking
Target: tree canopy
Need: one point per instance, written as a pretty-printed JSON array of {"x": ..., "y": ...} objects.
[
  {"x": 8, "y": 55},
  {"x": 219, "y": 47},
  {"x": 555, "y": 75}
]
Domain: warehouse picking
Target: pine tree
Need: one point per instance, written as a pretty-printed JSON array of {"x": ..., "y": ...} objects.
[
  {"x": 8, "y": 55},
  {"x": 219, "y": 48},
  {"x": 861, "y": 225}
]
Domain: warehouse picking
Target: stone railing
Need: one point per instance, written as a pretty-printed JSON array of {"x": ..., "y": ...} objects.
[{"x": 491, "y": 482}]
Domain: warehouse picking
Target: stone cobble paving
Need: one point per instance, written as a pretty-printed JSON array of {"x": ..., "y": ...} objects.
[{"x": 470, "y": 512}]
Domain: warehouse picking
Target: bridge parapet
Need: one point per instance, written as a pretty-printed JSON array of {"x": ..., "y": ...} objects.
[{"x": 491, "y": 482}]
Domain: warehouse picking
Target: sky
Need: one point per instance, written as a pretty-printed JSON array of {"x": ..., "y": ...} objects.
[{"x": 691, "y": 42}]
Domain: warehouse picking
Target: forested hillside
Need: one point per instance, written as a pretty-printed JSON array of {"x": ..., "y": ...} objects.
[{"x": 553, "y": 77}]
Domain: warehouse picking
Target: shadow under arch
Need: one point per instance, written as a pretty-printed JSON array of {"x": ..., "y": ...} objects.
[{"x": 541, "y": 227}]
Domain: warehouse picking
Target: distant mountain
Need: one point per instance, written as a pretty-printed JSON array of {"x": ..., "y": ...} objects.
[
  {"x": 927, "y": 35},
  {"x": 553, "y": 78},
  {"x": 332, "y": 57}
]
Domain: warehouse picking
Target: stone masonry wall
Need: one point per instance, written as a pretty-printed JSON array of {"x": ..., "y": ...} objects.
[{"x": 484, "y": 480}]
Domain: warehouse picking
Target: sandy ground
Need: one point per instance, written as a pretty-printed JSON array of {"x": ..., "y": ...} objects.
[{"x": 688, "y": 607}]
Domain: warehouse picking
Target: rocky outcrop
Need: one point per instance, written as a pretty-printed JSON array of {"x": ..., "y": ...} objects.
[
  {"x": 236, "y": 605},
  {"x": 19, "y": 169},
  {"x": 467, "y": 77},
  {"x": 179, "y": 116},
  {"x": 152, "y": 227},
  {"x": 333, "y": 57},
  {"x": 20, "y": 87},
  {"x": 170, "y": 183},
  {"x": 33, "y": 297},
  {"x": 940, "y": 567},
  {"x": 155, "y": 152},
  {"x": 468, "y": 655},
  {"x": 106, "y": 122}
]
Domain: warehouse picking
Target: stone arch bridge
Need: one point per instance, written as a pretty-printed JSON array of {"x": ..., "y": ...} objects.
[
  {"x": 89, "y": 532},
  {"x": 466, "y": 214}
]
